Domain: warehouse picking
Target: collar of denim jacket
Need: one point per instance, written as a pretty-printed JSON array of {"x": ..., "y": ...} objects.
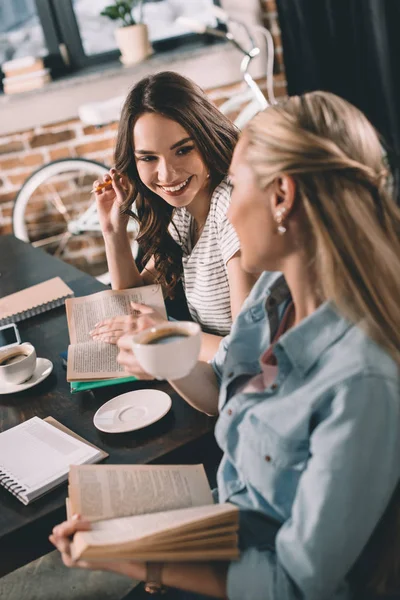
[{"x": 305, "y": 344}]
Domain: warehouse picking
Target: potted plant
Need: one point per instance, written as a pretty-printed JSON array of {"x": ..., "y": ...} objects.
[{"x": 132, "y": 36}]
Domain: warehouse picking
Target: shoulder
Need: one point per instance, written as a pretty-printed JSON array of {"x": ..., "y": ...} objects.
[
  {"x": 220, "y": 200},
  {"x": 179, "y": 224},
  {"x": 361, "y": 356}
]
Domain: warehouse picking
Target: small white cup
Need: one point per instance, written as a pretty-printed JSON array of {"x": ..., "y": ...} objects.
[
  {"x": 168, "y": 350},
  {"x": 17, "y": 364}
]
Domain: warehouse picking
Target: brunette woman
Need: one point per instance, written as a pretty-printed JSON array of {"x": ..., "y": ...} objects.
[{"x": 172, "y": 156}]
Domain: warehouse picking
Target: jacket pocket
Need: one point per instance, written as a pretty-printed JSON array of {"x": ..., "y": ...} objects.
[{"x": 271, "y": 465}]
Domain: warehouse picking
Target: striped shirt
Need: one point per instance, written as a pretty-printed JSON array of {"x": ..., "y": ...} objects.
[{"x": 205, "y": 275}]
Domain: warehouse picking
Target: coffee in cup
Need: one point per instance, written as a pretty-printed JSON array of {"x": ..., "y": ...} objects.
[
  {"x": 168, "y": 350},
  {"x": 17, "y": 364}
]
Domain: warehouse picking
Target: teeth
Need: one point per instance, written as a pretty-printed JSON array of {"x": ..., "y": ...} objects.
[{"x": 175, "y": 188}]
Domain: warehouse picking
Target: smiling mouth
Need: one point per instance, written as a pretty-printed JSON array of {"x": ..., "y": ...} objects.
[{"x": 173, "y": 189}]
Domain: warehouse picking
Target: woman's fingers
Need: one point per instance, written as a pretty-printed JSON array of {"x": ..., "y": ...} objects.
[
  {"x": 108, "y": 338},
  {"x": 110, "y": 330},
  {"x": 69, "y": 528},
  {"x": 117, "y": 184},
  {"x": 127, "y": 359},
  {"x": 62, "y": 534},
  {"x": 141, "y": 308}
]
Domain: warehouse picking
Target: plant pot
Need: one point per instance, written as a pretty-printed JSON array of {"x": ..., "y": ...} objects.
[{"x": 133, "y": 42}]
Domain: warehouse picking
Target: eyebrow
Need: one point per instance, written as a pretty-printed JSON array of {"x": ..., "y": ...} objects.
[{"x": 176, "y": 145}]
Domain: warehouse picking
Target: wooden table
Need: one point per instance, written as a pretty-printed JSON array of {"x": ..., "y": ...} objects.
[{"x": 183, "y": 435}]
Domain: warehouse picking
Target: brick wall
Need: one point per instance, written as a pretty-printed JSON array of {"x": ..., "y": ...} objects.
[{"x": 23, "y": 152}]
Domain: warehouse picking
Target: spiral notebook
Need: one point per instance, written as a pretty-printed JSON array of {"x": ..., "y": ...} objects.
[
  {"x": 33, "y": 300},
  {"x": 35, "y": 457}
]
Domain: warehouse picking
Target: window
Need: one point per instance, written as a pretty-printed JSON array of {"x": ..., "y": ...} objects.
[
  {"x": 97, "y": 32},
  {"x": 21, "y": 32},
  {"x": 90, "y": 38},
  {"x": 72, "y": 34}
]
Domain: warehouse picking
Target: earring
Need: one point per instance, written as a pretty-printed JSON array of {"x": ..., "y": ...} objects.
[{"x": 279, "y": 219}]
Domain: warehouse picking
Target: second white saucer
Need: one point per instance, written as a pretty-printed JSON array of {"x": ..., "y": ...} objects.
[{"x": 132, "y": 411}]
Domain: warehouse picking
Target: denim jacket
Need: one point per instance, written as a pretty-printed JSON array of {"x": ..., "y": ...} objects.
[{"x": 316, "y": 455}]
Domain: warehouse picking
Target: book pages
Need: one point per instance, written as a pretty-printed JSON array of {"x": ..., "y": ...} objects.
[
  {"x": 107, "y": 491},
  {"x": 93, "y": 360},
  {"x": 88, "y": 359},
  {"x": 140, "y": 534},
  {"x": 83, "y": 313}
]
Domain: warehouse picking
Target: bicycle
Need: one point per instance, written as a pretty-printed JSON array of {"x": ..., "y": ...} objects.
[{"x": 55, "y": 209}]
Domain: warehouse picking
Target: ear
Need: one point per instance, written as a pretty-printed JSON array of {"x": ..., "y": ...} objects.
[{"x": 283, "y": 194}]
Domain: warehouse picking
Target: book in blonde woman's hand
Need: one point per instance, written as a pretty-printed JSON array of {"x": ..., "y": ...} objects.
[
  {"x": 150, "y": 513},
  {"x": 89, "y": 360}
]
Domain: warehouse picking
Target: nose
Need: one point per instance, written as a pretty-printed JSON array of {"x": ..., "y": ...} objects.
[{"x": 166, "y": 171}]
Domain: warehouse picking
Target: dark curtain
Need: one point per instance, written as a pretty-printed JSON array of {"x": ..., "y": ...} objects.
[{"x": 351, "y": 48}]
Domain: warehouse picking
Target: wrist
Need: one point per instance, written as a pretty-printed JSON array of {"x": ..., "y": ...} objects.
[
  {"x": 118, "y": 237},
  {"x": 153, "y": 583}
]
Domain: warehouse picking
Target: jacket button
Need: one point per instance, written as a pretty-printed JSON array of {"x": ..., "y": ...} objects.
[
  {"x": 229, "y": 411},
  {"x": 268, "y": 458},
  {"x": 274, "y": 386},
  {"x": 230, "y": 374}
]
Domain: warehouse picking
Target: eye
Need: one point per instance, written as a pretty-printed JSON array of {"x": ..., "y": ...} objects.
[
  {"x": 184, "y": 150},
  {"x": 147, "y": 158}
]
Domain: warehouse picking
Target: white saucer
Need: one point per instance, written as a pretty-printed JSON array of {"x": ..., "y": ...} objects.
[
  {"x": 43, "y": 369},
  {"x": 132, "y": 411}
]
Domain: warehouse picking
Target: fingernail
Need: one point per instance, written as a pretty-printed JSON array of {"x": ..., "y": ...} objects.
[{"x": 75, "y": 517}]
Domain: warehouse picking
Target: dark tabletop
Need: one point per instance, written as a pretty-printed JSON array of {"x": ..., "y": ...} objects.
[{"x": 183, "y": 435}]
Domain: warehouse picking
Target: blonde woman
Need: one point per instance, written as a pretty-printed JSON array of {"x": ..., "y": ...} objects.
[{"x": 307, "y": 386}]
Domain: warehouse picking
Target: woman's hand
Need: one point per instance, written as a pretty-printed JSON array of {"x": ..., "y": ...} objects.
[
  {"x": 61, "y": 537},
  {"x": 109, "y": 201},
  {"x": 110, "y": 330},
  {"x": 126, "y": 357}
]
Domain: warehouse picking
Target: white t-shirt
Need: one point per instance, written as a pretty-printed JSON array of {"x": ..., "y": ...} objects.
[{"x": 205, "y": 275}]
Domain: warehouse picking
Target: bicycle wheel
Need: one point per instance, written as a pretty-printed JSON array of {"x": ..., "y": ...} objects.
[{"x": 55, "y": 210}]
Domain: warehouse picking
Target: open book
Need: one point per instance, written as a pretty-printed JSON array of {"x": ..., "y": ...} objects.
[
  {"x": 151, "y": 513},
  {"x": 87, "y": 359},
  {"x": 35, "y": 457}
]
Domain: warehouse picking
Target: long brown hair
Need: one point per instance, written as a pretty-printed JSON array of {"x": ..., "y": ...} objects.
[
  {"x": 179, "y": 99},
  {"x": 353, "y": 232}
]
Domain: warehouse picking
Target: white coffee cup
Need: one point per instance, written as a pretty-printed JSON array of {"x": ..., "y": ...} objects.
[
  {"x": 168, "y": 350},
  {"x": 17, "y": 364}
]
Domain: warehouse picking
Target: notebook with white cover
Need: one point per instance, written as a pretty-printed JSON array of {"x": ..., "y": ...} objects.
[
  {"x": 35, "y": 457},
  {"x": 33, "y": 300}
]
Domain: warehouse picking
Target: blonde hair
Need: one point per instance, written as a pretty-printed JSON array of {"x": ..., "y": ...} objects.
[{"x": 334, "y": 155}]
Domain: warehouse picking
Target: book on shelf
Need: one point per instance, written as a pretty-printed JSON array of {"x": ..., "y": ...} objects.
[
  {"x": 23, "y": 66},
  {"x": 150, "y": 513},
  {"x": 33, "y": 300},
  {"x": 92, "y": 360},
  {"x": 24, "y": 83},
  {"x": 35, "y": 457}
]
